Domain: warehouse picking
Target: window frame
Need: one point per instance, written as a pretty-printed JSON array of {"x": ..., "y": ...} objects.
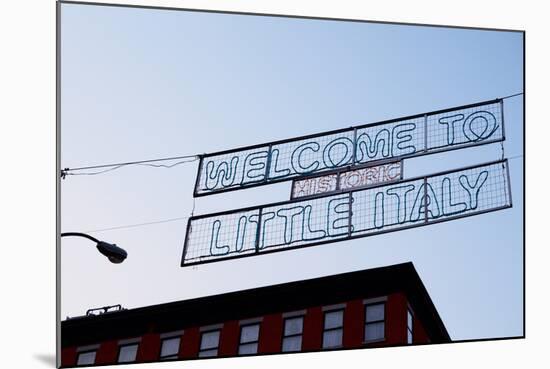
[
  {"x": 202, "y": 333},
  {"x": 300, "y": 316},
  {"x": 172, "y": 356},
  {"x": 342, "y": 309},
  {"x": 257, "y": 342},
  {"x": 121, "y": 346},
  {"x": 86, "y": 352},
  {"x": 411, "y": 328},
  {"x": 373, "y": 303}
]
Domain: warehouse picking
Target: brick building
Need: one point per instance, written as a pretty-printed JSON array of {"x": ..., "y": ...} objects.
[{"x": 378, "y": 307}]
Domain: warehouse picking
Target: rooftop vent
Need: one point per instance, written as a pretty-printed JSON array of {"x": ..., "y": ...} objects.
[{"x": 104, "y": 309}]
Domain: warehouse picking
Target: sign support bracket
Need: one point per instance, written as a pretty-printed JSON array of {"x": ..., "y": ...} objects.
[{"x": 258, "y": 228}]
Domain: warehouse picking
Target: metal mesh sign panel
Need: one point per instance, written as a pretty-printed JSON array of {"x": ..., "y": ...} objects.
[
  {"x": 346, "y": 215},
  {"x": 422, "y": 134}
]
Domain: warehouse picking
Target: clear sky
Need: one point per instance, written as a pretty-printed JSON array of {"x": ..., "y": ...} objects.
[{"x": 140, "y": 84}]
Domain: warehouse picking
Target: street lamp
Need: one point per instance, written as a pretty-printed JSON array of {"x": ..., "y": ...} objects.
[{"x": 114, "y": 253}]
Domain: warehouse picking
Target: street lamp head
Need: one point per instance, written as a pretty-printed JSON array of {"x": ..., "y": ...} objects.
[{"x": 114, "y": 253}]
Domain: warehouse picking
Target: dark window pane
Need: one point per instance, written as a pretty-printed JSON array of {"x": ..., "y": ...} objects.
[
  {"x": 334, "y": 319},
  {"x": 292, "y": 344},
  {"x": 332, "y": 338},
  {"x": 86, "y": 358},
  {"x": 293, "y": 326},
  {"x": 210, "y": 340},
  {"x": 375, "y": 312},
  {"x": 247, "y": 349},
  {"x": 170, "y": 346},
  {"x": 208, "y": 353},
  {"x": 250, "y": 333},
  {"x": 127, "y": 354},
  {"x": 374, "y": 331}
]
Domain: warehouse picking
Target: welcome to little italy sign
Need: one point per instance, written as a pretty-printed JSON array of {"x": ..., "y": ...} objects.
[{"x": 349, "y": 183}]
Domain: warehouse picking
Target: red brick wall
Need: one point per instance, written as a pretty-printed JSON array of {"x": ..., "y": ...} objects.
[
  {"x": 149, "y": 348},
  {"x": 68, "y": 356},
  {"x": 189, "y": 344},
  {"x": 107, "y": 353},
  {"x": 271, "y": 334},
  {"x": 354, "y": 321},
  {"x": 313, "y": 329},
  {"x": 396, "y": 319},
  {"x": 229, "y": 339}
]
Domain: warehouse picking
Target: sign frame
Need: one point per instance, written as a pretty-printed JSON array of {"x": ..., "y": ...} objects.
[
  {"x": 350, "y": 236},
  {"x": 421, "y": 151}
]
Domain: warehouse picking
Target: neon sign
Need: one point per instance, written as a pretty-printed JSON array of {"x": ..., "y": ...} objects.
[
  {"x": 346, "y": 180},
  {"x": 422, "y": 134},
  {"x": 348, "y": 215}
]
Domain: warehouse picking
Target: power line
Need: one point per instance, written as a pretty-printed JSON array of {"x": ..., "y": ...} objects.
[
  {"x": 514, "y": 95},
  {"x": 65, "y": 172},
  {"x": 69, "y": 171},
  {"x": 182, "y": 218},
  {"x": 135, "y": 162},
  {"x": 515, "y": 157},
  {"x": 137, "y": 225}
]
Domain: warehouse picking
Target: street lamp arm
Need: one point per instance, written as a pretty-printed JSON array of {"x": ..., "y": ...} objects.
[
  {"x": 79, "y": 234},
  {"x": 114, "y": 253}
]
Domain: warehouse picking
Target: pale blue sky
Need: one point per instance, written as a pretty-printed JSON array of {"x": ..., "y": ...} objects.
[{"x": 139, "y": 84}]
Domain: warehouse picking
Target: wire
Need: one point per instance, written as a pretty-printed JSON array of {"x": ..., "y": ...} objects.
[
  {"x": 65, "y": 172},
  {"x": 182, "y": 218},
  {"x": 136, "y": 162},
  {"x": 515, "y": 157},
  {"x": 168, "y": 166},
  {"x": 68, "y": 171},
  {"x": 137, "y": 225},
  {"x": 514, "y": 95}
]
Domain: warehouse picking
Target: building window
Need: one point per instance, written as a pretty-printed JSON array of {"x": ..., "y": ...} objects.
[
  {"x": 292, "y": 335},
  {"x": 248, "y": 343},
  {"x": 409, "y": 327},
  {"x": 169, "y": 348},
  {"x": 209, "y": 343},
  {"x": 127, "y": 353},
  {"x": 86, "y": 358},
  {"x": 374, "y": 322},
  {"x": 333, "y": 328}
]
